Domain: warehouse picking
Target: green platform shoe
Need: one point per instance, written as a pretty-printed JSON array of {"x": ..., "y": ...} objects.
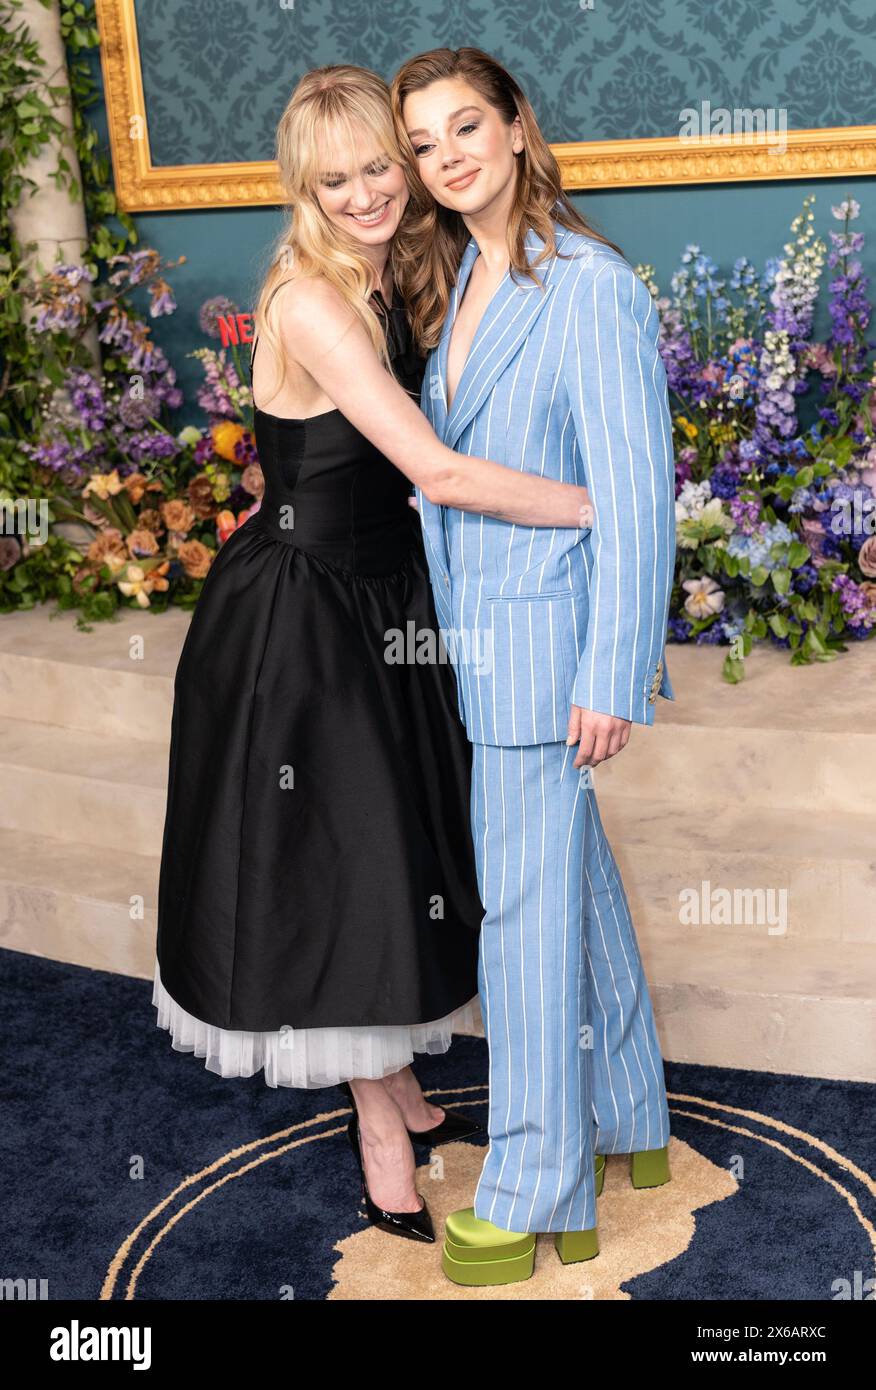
[
  {"x": 648, "y": 1168},
  {"x": 479, "y": 1254},
  {"x": 576, "y": 1245}
]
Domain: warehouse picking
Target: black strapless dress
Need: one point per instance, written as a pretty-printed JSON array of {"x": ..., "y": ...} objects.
[{"x": 317, "y": 868}]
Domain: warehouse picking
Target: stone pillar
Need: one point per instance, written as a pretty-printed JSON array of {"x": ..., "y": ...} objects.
[{"x": 48, "y": 216}]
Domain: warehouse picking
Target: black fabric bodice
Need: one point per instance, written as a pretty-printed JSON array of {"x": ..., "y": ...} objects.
[{"x": 328, "y": 490}]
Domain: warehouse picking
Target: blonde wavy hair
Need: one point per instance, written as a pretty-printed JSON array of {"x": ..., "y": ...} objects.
[
  {"x": 339, "y": 105},
  {"x": 431, "y": 239}
]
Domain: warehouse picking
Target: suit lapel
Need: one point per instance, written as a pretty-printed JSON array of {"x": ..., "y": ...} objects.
[
  {"x": 506, "y": 321},
  {"x": 432, "y": 403},
  {"x": 438, "y": 385}
]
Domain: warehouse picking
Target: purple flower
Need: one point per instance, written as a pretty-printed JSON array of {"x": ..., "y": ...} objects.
[
  {"x": 220, "y": 378},
  {"x": 203, "y": 450},
  {"x": 682, "y": 471},
  {"x": 745, "y": 512},
  {"x": 162, "y": 300},
  {"x": 137, "y": 411},
  {"x": 148, "y": 447},
  {"x": 87, "y": 397},
  {"x": 853, "y": 601},
  {"x": 50, "y": 453},
  {"x": 65, "y": 307},
  {"x": 212, "y": 310},
  {"x": 136, "y": 266}
]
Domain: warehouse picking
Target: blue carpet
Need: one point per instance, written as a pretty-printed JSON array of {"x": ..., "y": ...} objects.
[{"x": 103, "y": 1121}]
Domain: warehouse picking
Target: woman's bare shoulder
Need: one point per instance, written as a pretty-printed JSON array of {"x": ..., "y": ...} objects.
[{"x": 310, "y": 305}]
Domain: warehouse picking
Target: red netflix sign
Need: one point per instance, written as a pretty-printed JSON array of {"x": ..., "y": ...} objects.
[{"x": 235, "y": 328}]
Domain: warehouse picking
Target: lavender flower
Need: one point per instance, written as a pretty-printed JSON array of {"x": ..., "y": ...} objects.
[
  {"x": 87, "y": 397},
  {"x": 853, "y": 601},
  {"x": 65, "y": 307},
  {"x": 212, "y": 310},
  {"x": 137, "y": 411}
]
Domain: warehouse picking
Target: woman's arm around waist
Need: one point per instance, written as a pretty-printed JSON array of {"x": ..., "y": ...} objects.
[{"x": 321, "y": 333}]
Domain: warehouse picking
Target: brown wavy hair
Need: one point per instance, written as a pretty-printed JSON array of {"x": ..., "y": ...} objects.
[{"x": 431, "y": 239}]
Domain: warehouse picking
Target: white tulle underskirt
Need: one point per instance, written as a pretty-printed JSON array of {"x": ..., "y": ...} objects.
[{"x": 308, "y": 1057}]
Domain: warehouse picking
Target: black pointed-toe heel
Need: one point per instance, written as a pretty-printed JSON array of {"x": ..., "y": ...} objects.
[
  {"x": 453, "y": 1126},
  {"x": 415, "y": 1225}
]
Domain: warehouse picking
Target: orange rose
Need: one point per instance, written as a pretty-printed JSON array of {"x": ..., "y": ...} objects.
[
  {"x": 108, "y": 543},
  {"x": 178, "y": 515},
  {"x": 150, "y": 520},
  {"x": 253, "y": 479},
  {"x": 195, "y": 558},
  {"x": 203, "y": 502},
  {"x": 142, "y": 542}
]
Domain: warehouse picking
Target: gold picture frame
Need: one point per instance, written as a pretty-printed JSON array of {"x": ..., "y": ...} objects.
[{"x": 585, "y": 164}]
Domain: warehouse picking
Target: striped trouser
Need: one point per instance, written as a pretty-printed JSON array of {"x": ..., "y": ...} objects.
[{"x": 575, "y": 1065}]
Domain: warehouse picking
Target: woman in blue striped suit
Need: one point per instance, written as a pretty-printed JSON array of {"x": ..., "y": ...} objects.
[{"x": 543, "y": 356}]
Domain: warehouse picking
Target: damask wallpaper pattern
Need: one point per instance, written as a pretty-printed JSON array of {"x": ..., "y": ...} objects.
[{"x": 217, "y": 73}]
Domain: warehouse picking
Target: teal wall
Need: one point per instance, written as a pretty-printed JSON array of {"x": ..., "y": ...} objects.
[{"x": 217, "y": 73}]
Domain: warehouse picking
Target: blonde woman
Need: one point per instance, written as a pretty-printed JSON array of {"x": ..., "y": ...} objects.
[
  {"x": 544, "y": 354},
  {"x": 318, "y": 904}
]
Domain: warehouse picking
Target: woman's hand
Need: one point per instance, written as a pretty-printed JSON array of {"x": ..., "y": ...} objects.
[{"x": 599, "y": 736}]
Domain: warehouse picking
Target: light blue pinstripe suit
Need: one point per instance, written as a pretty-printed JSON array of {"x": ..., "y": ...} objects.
[{"x": 566, "y": 382}]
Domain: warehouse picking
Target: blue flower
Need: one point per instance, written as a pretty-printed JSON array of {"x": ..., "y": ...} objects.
[
  {"x": 804, "y": 579},
  {"x": 725, "y": 483}
]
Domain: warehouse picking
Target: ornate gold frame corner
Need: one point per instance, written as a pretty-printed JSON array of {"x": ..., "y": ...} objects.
[{"x": 585, "y": 165}]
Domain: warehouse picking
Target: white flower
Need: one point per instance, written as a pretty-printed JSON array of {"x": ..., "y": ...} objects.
[
  {"x": 847, "y": 208},
  {"x": 713, "y": 514},
  {"x": 704, "y": 597},
  {"x": 693, "y": 497}
]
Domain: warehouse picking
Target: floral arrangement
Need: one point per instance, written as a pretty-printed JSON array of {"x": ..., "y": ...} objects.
[
  {"x": 775, "y": 524},
  {"x": 156, "y": 504}
]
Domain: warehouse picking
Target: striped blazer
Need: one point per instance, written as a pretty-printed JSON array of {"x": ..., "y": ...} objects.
[{"x": 565, "y": 381}]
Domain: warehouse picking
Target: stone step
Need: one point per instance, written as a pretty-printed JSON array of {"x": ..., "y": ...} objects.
[
  {"x": 781, "y": 1005},
  {"x": 808, "y": 770},
  {"x": 93, "y": 788},
  {"x": 116, "y": 678},
  {"x": 766, "y": 785},
  {"x": 73, "y": 902},
  {"x": 802, "y": 737},
  {"x": 826, "y": 867}
]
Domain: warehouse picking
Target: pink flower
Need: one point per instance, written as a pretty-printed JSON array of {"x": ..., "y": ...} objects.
[
  {"x": 867, "y": 557},
  {"x": 818, "y": 356},
  {"x": 813, "y": 535}
]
